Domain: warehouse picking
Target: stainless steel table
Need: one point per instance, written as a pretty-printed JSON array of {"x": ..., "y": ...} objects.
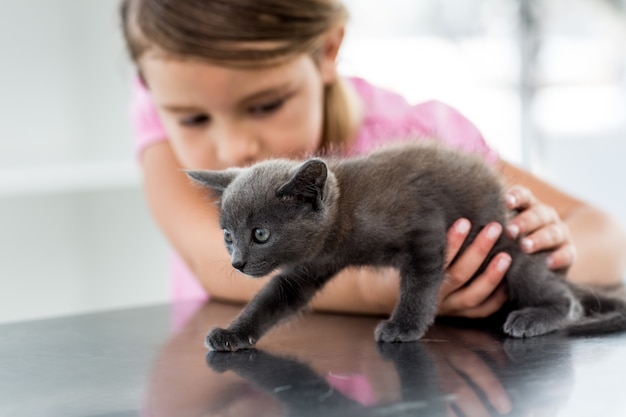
[{"x": 151, "y": 361}]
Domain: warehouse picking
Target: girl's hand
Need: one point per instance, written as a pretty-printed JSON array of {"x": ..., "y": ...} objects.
[
  {"x": 486, "y": 294},
  {"x": 539, "y": 227}
]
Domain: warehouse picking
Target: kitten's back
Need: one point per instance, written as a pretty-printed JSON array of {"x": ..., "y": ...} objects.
[{"x": 425, "y": 175}]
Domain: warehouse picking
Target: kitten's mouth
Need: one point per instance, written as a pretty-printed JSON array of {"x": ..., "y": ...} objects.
[{"x": 257, "y": 272}]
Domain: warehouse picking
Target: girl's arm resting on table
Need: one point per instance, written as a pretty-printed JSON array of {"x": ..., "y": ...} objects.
[{"x": 601, "y": 248}]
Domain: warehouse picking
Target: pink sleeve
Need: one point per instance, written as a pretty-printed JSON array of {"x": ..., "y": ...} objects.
[{"x": 146, "y": 124}]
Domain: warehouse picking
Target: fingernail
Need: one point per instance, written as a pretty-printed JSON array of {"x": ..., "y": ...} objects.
[
  {"x": 510, "y": 200},
  {"x": 503, "y": 404},
  {"x": 503, "y": 263},
  {"x": 527, "y": 245},
  {"x": 513, "y": 230},
  {"x": 494, "y": 231},
  {"x": 462, "y": 226}
]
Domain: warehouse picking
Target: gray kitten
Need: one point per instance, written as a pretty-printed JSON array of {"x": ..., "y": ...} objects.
[{"x": 392, "y": 208}]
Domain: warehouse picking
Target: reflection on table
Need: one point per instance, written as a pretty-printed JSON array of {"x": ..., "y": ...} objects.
[{"x": 330, "y": 365}]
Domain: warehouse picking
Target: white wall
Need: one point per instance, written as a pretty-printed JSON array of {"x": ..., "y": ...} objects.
[
  {"x": 75, "y": 234},
  {"x": 78, "y": 252},
  {"x": 64, "y": 77}
]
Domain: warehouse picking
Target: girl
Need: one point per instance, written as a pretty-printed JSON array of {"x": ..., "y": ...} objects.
[{"x": 228, "y": 83}]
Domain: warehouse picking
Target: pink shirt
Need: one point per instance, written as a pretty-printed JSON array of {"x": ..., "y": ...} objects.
[{"x": 387, "y": 117}]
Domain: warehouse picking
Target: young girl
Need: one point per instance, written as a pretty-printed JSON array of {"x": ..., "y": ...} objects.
[{"x": 229, "y": 83}]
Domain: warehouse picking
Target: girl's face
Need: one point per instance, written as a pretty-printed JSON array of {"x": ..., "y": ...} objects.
[{"x": 218, "y": 117}]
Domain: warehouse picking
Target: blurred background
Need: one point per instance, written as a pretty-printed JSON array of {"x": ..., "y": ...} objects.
[{"x": 545, "y": 81}]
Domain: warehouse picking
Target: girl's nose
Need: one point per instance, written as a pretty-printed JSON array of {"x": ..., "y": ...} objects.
[{"x": 237, "y": 147}]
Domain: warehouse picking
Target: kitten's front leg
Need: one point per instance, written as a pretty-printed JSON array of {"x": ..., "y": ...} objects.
[
  {"x": 283, "y": 296},
  {"x": 417, "y": 303}
]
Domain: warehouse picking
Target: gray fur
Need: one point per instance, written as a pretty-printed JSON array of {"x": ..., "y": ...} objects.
[{"x": 391, "y": 208}]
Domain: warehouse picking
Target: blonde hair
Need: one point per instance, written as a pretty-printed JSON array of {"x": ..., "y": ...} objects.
[{"x": 242, "y": 33}]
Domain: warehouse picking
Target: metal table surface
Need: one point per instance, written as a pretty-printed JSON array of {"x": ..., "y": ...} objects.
[{"x": 151, "y": 361}]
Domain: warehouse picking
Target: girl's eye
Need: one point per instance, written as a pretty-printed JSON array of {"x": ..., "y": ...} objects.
[
  {"x": 228, "y": 236},
  {"x": 266, "y": 108},
  {"x": 194, "y": 121},
  {"x": 261, "y": 235}
]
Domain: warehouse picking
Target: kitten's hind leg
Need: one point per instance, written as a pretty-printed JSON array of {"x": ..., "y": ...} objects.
[
  {"x": 417, "y": 303},
  {"x": 546, "y": 305},
  {"x": 537, "y": 321}
]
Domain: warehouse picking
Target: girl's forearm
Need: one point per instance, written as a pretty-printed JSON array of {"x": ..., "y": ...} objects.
[
  {"x": 601, "y": 247},
  {"x": 360, "y": 291},
  {"x": 353, "y": 290}
]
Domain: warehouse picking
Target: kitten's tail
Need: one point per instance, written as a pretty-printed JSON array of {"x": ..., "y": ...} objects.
[{"x": 604, "y": 311}]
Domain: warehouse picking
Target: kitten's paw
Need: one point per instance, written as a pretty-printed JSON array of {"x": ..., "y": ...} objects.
[
  {"x": 399, "y": 351},
  {"x": 390, "y": 331},
  {"x": 519, "y": 350},
  {"x": 529, "y": 322},
  {"x": 223, "y": 340},
  {"x": 224, "y": 361}
]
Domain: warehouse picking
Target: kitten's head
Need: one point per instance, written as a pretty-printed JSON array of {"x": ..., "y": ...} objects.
[{"x": 274, "y": 213}]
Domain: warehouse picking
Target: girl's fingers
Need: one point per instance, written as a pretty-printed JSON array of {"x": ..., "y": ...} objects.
[
  {"x": 470, "y": 260},
  {"x": 548, "y": 237},
  {"x": 562, "y": 258},
  {"x": 519, "y": 197},
  {"x": 483, "y": 296},
  {"x": 488, "y": 307},
  {"x": 539, "y": 228},
  {"x": 456, "y": 236},
  {"x": 532, "y": 219}
]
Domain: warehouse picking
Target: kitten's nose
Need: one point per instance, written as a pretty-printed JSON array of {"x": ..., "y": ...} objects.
[{"x": 239, "y": 264}]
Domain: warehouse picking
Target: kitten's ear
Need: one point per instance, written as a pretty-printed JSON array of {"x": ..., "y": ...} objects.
[
  {"x": 217, "y": 181},
  {"x": 307, "y": 183}
]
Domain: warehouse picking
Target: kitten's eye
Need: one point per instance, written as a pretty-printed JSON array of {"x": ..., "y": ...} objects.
[
  {"x": 228, "y": 236},
  {"x": 261, "y": 235}
]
